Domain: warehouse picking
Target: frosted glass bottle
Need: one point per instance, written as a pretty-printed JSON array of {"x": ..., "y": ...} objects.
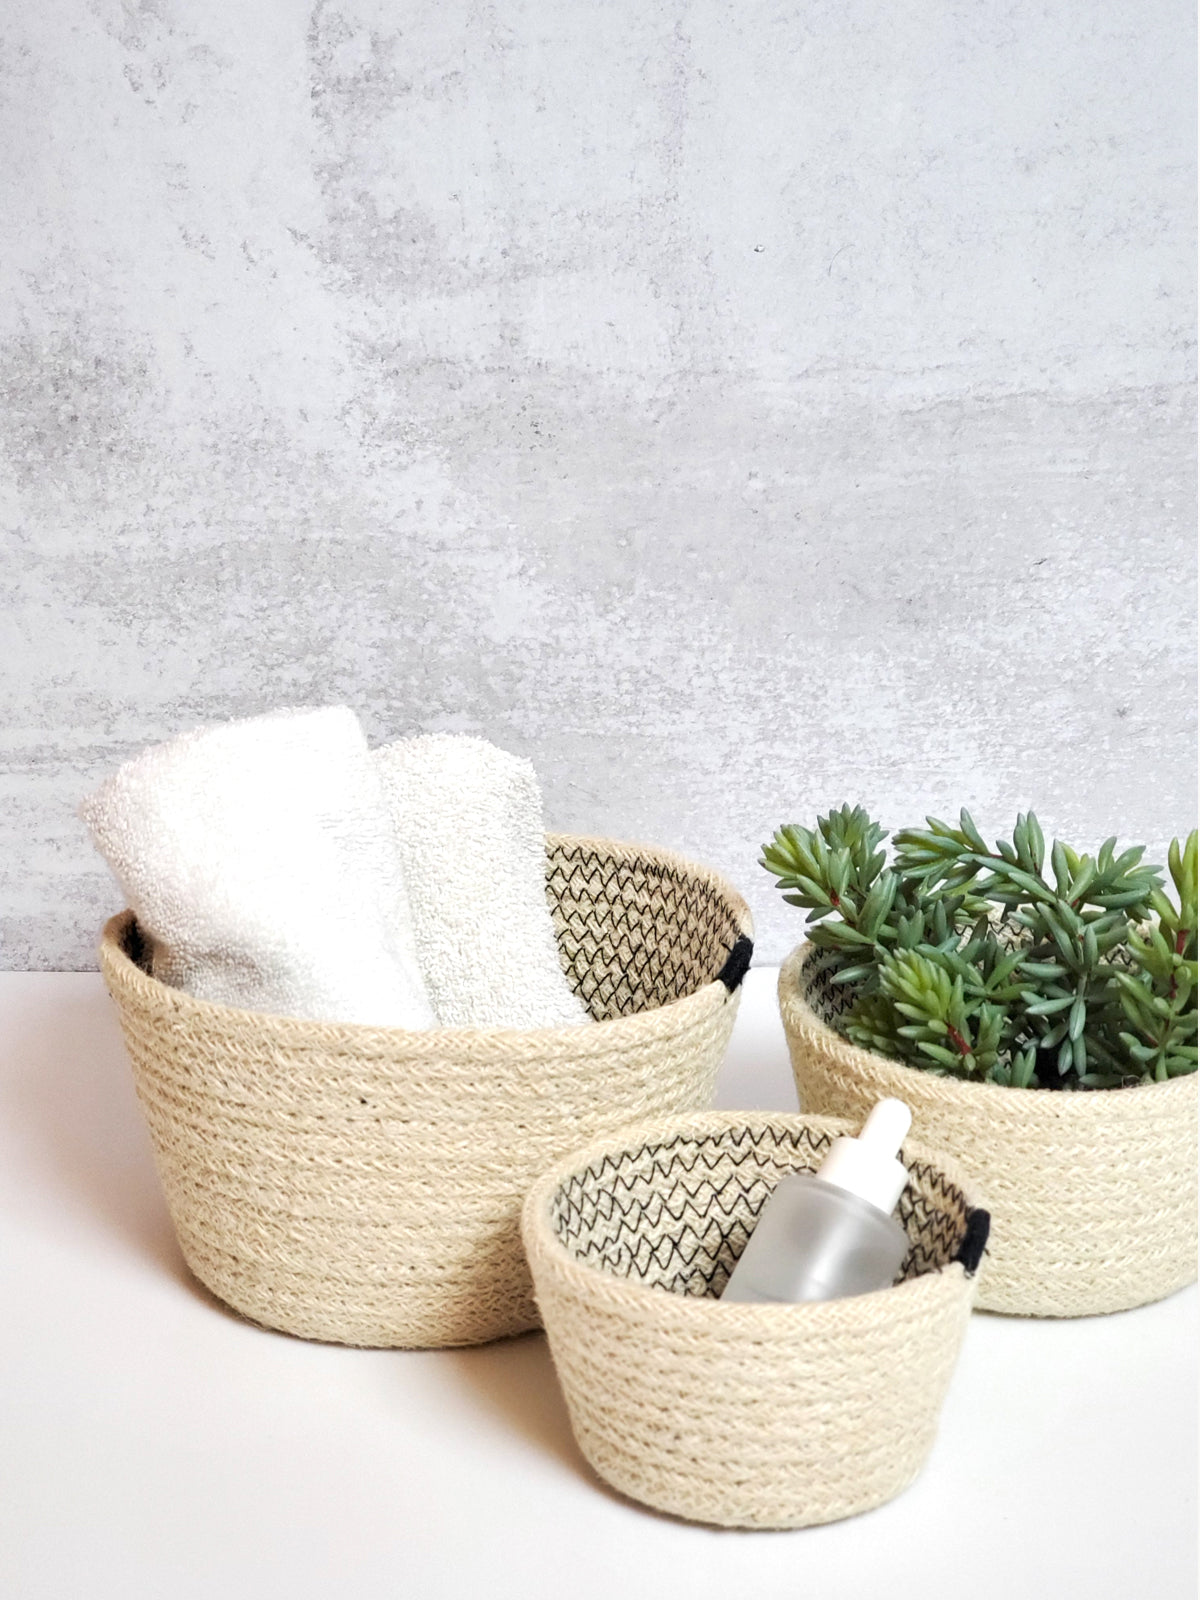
[{"x": 825, "y": 1235}]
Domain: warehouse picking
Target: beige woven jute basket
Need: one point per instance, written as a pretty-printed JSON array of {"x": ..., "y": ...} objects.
[
  {"x": 364, "y": 1185},
  {"x": 747, "y": 1416},
  {"x": 1093, "y": 1193}
]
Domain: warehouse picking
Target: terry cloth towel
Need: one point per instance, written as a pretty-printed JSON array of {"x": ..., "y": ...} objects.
[
  {"x": 468, "y": 824},
  {"x": 258, "y": 857}
]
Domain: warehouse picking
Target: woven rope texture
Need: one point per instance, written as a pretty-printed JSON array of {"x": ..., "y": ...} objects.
[
  {"x": 363, "y": 1185},
  {"x": 755, "y": 1416},
  {"x": 1092, "y": 1193}
]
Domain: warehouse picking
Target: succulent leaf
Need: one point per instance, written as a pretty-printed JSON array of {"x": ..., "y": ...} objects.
[{"x": 971, "y": 962}]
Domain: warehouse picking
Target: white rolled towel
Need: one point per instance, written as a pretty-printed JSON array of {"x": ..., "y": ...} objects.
[
  {"x": 258, "y": 856},
  {"x": 467, "y": 819}
]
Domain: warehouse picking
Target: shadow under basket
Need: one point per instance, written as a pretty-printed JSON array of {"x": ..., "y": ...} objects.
[
  {"x": 741, "y": 1415},
  {"x": 363, "y": 1185},
  {"x": 1092, "y": 1192}
]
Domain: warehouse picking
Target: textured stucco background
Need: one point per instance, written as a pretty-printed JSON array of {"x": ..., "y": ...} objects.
[{"x": 734, "y": 407}]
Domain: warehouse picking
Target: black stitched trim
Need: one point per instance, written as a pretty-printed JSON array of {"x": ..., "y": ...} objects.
[
  {"x": 737, "y": 964},
  {"x": 974, "y": 1241}
]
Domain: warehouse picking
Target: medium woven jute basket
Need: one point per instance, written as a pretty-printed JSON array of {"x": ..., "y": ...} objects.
[
  {"x": 747, "y": 1416},
  {"x": 364, "y": 1185},
  {"x": 1093, "y": 1193}
]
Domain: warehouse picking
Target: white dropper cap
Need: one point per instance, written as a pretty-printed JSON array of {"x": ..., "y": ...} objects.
[{"x": 867, "y": 1166}]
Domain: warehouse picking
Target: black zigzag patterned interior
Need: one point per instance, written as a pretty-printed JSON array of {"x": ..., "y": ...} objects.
[
  {"x": 831, "y": 1001},
  {"x": 635, "y": 933},
  {"x": 677, "y": 1215}
]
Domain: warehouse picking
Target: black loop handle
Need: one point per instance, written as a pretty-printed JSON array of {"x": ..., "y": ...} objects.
[
  {"x": 974, "y": 1241},
  {"x": 737, "y": 964}
]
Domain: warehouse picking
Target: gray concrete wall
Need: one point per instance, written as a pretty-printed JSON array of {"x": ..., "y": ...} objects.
[{"x": 734, "y": 407}]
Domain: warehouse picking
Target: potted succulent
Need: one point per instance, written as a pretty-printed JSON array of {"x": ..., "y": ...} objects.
[{"x": 1038, "y": 1016}]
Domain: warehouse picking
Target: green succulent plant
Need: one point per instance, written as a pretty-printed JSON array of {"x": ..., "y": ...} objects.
[{"x": 978, "y": 963}]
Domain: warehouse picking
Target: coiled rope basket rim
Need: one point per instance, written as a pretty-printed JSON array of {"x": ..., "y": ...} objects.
[
  {"x": 739, "y": 1415},
  {"x": 1093, "y": 1194},
  {"x": 363, "y": 1185}
]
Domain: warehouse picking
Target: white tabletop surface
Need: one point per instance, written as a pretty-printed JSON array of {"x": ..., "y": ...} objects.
[{"x": 153, "y": 1445}]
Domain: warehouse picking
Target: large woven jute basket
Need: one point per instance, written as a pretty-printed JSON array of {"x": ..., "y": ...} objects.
[
  {"x": 363, "y": 1185},
  {"x": 1093, "y": 1193},
  {"x": 747, "y": 1416}
]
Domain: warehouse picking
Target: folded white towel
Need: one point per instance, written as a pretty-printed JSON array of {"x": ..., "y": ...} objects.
[
  {"x": 467, "y": 818},
  {"x": 258, "y": 856}
]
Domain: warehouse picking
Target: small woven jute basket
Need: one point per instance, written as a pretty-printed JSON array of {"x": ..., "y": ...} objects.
[
  {"x": 1093, "y": 1193},
  {"x": 364, "y": 1185},
  {"x": 747, "y": 1416}
]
